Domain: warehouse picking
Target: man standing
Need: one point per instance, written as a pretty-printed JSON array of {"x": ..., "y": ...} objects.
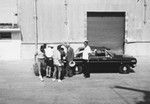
[
  {"x": 69, "y": 58},
  {"x": 40, "y": 59},
  {"x": 49, "y": 60},
  {"x": 86, "y": 52},
  {"x": 57, "y": 64}
]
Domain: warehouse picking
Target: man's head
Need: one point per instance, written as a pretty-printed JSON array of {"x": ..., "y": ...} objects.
[
  {"x": 44, "y": 45},
  {"x": 67, "y": 44},
  {"x": 59, "y": 47},
  {"x": 85, "y": 43}
]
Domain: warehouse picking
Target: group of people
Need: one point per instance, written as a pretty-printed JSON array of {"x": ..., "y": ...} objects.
[{"x": 56, "y": 62}]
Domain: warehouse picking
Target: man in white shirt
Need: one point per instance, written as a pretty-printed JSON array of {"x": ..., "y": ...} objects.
[
  {"x": 86, "y": 52},
  {"x": 49, "y": 60},
  {"x": 40, "y": 59},
  {"x": 57, "y": 63}
]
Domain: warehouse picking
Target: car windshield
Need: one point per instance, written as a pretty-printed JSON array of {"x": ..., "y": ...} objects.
[{"x": 96, "y": 51}]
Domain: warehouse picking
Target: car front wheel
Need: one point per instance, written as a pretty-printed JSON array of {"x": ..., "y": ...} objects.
[{"x": 78, "y": 69}]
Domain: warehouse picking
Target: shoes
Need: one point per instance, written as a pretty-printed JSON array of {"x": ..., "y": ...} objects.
[
  {"x": 48, "y": 76},
  {"x": 53, "y": 79},
  {"x": 59, "y": 80},
  {"x": 86, "y": 77},
  {"x": 41, "y": 78}
]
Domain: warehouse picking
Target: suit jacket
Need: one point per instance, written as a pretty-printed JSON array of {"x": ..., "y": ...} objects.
[{"x": 70, "y": 54}]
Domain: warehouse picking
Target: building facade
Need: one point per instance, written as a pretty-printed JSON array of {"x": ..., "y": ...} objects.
[{"x": 120, "y": 25}]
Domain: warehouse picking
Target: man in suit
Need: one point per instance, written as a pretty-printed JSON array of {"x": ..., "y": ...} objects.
[{"x": 69, "y": 58}]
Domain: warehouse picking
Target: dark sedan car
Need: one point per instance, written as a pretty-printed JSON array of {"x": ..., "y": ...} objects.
[{"x": 103, "y": 59}]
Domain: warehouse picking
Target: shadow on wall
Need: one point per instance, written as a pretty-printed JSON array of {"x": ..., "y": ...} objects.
[{"x": 146, "y": 94}]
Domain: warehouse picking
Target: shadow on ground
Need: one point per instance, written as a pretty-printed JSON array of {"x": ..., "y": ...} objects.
[{"x": 146, "y": 96}]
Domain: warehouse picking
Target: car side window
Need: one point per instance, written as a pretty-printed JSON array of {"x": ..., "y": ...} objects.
[{"x": 100, "y": 53}]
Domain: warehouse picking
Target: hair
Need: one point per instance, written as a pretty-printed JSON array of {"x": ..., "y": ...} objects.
[
  {"x": 59, "y": 47},
  {"x": 44, "y": 45},
  {"x": 86, "y": 42},
  {"x": 42, "y": 48},
  {"x": 66, "y": 44}
]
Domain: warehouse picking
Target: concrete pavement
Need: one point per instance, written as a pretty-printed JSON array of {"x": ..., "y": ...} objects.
[{"x": 18, "y": 85}]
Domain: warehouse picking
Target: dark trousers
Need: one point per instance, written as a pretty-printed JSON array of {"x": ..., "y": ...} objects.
[
  {"x": 59, "y": 70},
  {"x": 41, "y": 66},
  {"x": 69, "y": 70},
  {"x": 86, "y": 71}
]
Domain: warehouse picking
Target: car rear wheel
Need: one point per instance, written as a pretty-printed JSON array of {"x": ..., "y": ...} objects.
[{"x": 124, "y": 69}]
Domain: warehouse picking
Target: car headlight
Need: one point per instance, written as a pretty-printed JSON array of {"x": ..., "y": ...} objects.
[{"x": 133, "y": 61}]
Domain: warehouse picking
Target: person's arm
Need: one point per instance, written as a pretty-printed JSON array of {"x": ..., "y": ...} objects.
[
  {"x": 59, "y": 58},
  {"x": 73, "y": 53}
]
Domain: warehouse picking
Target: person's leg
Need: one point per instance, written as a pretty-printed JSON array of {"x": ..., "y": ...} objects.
[
  {"x": 54, "y": 73},
  {"x": 59, "y": 73},
  {"x": 87, "y": 72},
  {"x": 43, "y": 67},
  {"x": 39, "y": 69},
  {"x": 86, "y": 69},
  {"x": 70, "y": 71},
  {"x": 47, "y": 68},
  {"x": 50, "y": 67},
  {"x": 63, "y": 72},
  {"x": 67, "y": 70},
  {"x": 49, "y": 72}
]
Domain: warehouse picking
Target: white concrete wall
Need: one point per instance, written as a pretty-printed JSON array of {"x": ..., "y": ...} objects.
[
  {"x": 10, "y": 49},
  {"x": 138, "y": 49},
  {"x": 52, "y": 16},
  {"x": 8, "y": 9}
]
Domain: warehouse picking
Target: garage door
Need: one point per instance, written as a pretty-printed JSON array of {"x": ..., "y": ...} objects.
[{"x": 106, "y": 29}]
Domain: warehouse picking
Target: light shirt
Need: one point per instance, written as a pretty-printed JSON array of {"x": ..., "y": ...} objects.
[
  {"x": 56, "y": 58},
  {"x": 65, "y": 49},
  {"x": 86, "y": 52},
  {"x": 49, "y": 52},
  {"x": 40, "y": 55}
]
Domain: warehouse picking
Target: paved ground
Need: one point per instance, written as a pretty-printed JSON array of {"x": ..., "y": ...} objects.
[{"x": 18, "y": 85}]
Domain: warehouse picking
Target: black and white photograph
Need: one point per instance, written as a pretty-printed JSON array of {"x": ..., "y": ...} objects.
[{"x": 74, "y": 51}]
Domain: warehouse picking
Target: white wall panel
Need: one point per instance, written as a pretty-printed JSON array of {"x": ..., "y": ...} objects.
[
  {"x": 52, "y": 15},
  {"x": 8, "y": 9}
]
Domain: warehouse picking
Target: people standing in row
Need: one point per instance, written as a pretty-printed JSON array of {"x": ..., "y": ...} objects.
[
  {"x": 86, "y": 52},
  {"x": 49, "y": 58}
]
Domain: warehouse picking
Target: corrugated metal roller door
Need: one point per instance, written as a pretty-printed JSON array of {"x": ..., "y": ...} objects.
[{"x": 106, "y": 29}]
